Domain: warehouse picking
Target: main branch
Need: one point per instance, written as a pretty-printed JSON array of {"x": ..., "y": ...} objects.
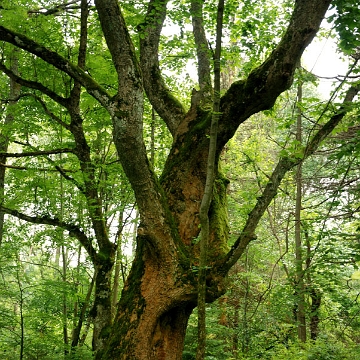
[{"x": 265, "y": 83}]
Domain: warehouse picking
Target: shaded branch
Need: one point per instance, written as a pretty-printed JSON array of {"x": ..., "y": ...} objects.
[
  {"x": 57, "y": 9},
  {"x": 34, "y": 85},
  {"x": 164, "y": 102},
  {"x": 73, "y": 229},
  {"x": 42, "y": 103},
  {"x": 23, "y": 42},
  {"x": 37, "y": 153},
  {"x": 15, "y": 167},
  {"x": 57, "y": 167},
  {"x": 76, "y": 90},
  {"x": 50, "y": 113}
]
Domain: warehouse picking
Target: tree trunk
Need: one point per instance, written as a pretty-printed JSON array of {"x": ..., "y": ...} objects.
[
  {"x": 75, "y": 338},
  {"x": 315, "y": 296},
  {"x": 299, "y": 272},
  {"x": 208, "y": 192},
  {"x": 153, "y": 311},
  {"x": 101, "y": 311},
  {"x": 314, "y": 293}
]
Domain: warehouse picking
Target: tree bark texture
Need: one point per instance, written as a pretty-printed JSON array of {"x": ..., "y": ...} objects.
[{"x": 161, "y": 290}]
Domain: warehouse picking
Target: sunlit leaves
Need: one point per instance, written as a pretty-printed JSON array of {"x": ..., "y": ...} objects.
[{"x": 346, "y": 23}]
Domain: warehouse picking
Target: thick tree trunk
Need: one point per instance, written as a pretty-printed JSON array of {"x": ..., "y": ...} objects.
[{"x": 153, "y": 311}]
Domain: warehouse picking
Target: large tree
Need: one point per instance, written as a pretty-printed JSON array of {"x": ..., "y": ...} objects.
[{"x": 161, "y": 289}]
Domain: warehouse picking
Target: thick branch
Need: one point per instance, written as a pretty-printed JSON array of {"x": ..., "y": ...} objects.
[
  {"x": 73, "y": 229},
  {"x": 127, "y": 116},
  {"x": 264, "y": 84},
  {"x": 208, "y": 191},
  {"x": 284, "y": 165},
  {"x": 119, "y": 43},
  {"x": 76, "y": 90},
  {"x": 202, "y": 48},
  {"x": 163, "y": 101}
]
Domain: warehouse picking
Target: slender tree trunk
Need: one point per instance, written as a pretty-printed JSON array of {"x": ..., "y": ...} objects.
[
  {"x": 245, "y": 331},
  {"x": 207, "y": 197},
  {"x": 75, "y": 341},
  {"x": 152, "y": 137},
  {"x": 315, "y": 294},
  {"x": 235, "y": 337},
  {"x": 21, "y": 312},
  {"x": 118, "y": 266},
  {"x": 315, "y": 297},
  {"x": 64, "y": 299},
  {"x": 299, "y": 277},
  {"x": 76, "y": 302}
]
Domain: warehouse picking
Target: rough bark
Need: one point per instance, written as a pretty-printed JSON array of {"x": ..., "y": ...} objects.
[{"x": 315, "y": 296}]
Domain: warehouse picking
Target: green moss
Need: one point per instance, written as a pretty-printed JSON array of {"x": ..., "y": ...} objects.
[{"x": 218, "y": 216}]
